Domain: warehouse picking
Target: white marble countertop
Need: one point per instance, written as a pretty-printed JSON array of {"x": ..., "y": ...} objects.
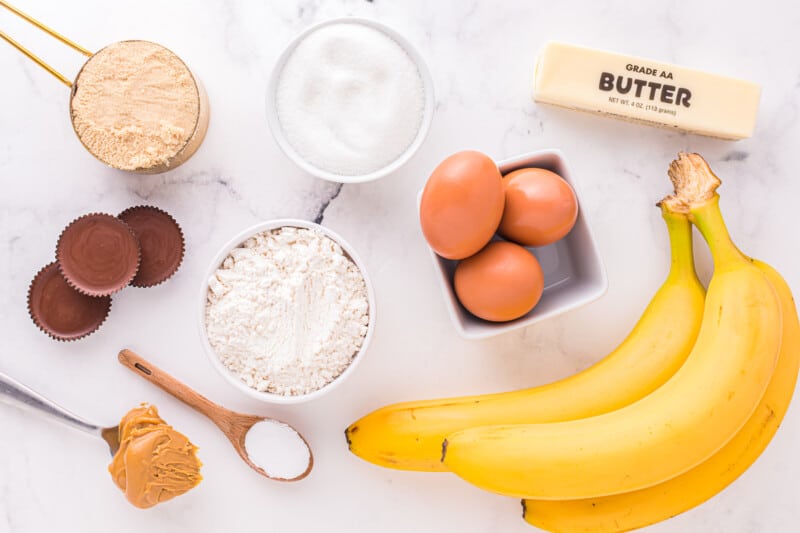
[{"x": 481, "y": 56}]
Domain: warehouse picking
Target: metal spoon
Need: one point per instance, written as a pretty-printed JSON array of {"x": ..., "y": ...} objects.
[
  {"x": 15, "y": 393},
  {"x": 234, "y": 425}
]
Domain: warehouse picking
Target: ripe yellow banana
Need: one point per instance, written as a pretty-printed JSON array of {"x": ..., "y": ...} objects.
[
  {"x": 409, "y": 435},
  {"x": 675, "y": 428},
  {"x": 633, "y": 510}
]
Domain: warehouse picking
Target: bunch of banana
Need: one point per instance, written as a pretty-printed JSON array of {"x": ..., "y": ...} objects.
[
  {"x": 632, "y": 510},
  {"x": 669, "y": 438}
]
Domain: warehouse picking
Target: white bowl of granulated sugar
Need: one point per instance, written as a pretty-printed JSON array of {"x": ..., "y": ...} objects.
[
  {"x": 350, "y": 100},
  {"x": 286, "y": 311}
]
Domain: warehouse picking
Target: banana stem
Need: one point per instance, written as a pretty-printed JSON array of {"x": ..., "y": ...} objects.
[
  {"x": 679, "y": 229},
  {"x": 695, "y": 195},
  {"x": 709, "y": 221}
]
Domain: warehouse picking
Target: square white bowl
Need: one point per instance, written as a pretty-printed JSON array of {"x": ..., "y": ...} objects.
[{"x": 574, "y": 274}]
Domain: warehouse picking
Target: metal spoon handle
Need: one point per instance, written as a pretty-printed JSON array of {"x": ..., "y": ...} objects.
[{"x": 15, "y": 393}]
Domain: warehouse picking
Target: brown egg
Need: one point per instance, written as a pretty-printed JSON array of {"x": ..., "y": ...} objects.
[
  {"x": 501, "y": 282},
  {"x": 462, "y": 205},
  {"x": 540, "y": 207}
]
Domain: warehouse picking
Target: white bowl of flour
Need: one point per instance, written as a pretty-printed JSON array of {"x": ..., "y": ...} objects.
[
  {"x": 350, "y": 100},
  {"x": 286, "y": 311}
]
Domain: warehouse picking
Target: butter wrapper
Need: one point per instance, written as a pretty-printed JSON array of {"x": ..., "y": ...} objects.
[{"x": 645, "y": 91}]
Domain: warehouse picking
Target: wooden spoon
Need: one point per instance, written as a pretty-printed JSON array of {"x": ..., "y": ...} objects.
[{"x": 234, "y": 425}]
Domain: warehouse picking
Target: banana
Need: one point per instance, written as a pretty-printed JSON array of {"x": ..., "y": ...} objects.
[
  {"x": 632, "y": 510},
  {"x": 409, "y": 435},
  {"x": 676, "y": 427}
]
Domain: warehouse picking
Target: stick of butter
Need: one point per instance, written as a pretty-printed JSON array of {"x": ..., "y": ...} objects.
[{"x": 645, "y": 91}]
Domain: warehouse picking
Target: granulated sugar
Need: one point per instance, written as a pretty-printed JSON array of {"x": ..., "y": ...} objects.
[
  {"x": 287, "y": 311},
  {"x": 278, "y": 449},
  {"x": 350, "y": 99}
]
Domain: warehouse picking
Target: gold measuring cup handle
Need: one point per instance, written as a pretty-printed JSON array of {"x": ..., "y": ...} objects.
[{"x": 39, "y": 61}]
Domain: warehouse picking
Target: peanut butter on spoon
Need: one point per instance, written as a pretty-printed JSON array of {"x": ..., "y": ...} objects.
[{"x": 154, "y": 463}]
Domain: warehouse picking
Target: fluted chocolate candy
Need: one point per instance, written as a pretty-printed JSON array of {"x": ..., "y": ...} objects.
[
  {"x": 160, "y": 241},
  {"x": 62, "y": 312},
  {"x": 98, "y": 254}
]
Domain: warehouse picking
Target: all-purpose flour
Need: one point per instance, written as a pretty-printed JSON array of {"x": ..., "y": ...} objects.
[{"x": 287, "y": 311}]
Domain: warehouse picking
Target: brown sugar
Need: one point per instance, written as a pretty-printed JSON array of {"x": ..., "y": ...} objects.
[{"x": 136, "y": 106}]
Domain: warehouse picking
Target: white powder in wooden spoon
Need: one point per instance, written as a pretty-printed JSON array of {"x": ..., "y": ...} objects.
[{"x": 278, "y": 449}]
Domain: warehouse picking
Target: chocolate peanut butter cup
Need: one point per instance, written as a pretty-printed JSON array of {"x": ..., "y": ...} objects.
[
  {"x": 161, "y": 242},
  {"x": 61, "y": 311},
  {"x": 98, "y": 254}
]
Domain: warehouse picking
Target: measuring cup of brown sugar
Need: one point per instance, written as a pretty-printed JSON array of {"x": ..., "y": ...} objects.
[{"x": 134, "y": 105}]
